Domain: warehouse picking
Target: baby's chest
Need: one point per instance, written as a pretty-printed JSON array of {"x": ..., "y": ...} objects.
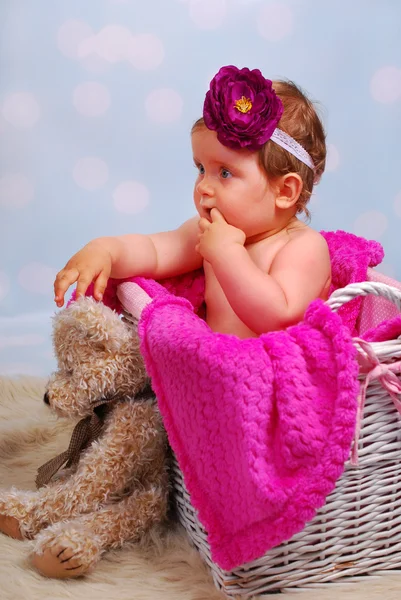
[{"x": 261, "y": 254}]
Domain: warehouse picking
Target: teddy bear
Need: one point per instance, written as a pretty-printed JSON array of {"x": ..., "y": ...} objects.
[{"x": 115, "y": 484}]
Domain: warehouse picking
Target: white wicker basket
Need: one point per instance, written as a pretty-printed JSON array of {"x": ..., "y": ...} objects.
[{"x": 358, "y": 530}]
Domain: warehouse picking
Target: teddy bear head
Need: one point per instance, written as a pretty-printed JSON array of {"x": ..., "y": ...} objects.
[{"x": 97, "y": 357}]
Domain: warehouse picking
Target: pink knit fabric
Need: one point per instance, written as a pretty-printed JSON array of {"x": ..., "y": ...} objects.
[
  {"x": 386, "y": 330},
  {"x": 261, "y": 427}
]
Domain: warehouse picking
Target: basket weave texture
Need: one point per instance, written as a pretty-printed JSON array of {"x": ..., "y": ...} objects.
[{"x": 358, "y": 530}]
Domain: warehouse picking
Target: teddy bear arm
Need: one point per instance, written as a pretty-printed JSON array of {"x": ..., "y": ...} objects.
[
  {"x": 133, "y": 441},
  {"x": 146, "y": 442},
  {"x": 133, "y": 445}
]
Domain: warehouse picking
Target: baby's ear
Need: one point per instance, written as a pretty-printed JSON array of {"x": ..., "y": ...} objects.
[
  {"x": 94, "y": 323},
  {"x": 289, "y": 188}
]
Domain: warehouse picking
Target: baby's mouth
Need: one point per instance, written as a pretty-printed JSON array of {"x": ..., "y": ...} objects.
[{"x": 206, "y": 214}]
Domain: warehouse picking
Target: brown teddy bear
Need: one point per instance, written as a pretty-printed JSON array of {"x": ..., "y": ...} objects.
[{"x": 117, "y": 488}]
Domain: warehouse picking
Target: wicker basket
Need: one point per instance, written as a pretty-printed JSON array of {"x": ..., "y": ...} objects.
[{"x": 358, "y": 530}]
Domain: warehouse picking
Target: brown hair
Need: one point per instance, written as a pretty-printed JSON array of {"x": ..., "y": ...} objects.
[{"x": 301, "y": 121}]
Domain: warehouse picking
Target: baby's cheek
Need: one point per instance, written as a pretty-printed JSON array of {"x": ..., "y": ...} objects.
[{"x": 197, "y": 202}]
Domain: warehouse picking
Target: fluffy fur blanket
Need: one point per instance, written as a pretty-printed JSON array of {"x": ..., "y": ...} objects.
[{"x": 164, "y": 567}]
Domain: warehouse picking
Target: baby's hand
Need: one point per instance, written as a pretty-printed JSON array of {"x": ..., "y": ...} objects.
[
  {"x": 217, "y": 236},
  {"x": 91, "y": 264}
]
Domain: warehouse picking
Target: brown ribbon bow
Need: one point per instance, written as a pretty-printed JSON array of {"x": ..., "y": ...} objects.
[{"x": 85, "y": 432}]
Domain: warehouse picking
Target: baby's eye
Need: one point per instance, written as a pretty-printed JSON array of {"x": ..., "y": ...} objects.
[
  {"x": 225, "y": 173},
  {"x": 201, "y": 169}
]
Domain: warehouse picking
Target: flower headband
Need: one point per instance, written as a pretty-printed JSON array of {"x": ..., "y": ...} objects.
[{"x": 243, "y": 108}]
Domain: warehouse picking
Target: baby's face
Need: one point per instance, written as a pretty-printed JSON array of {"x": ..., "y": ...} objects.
[{"x": 233, "y": 182}]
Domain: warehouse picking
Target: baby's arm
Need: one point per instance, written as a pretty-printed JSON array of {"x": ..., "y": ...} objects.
[
  {"x": 267, "y": 302},
  {"x": 156, "y": 255}
]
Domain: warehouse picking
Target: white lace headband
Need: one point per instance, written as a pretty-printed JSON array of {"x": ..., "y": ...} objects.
[{"x": 284, "y": 140}]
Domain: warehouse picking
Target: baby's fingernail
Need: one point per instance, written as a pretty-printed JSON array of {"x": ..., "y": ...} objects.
[{"x": 100, "y": 297}]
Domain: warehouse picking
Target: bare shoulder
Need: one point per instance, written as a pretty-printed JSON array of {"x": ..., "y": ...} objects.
[
  {"x": 305, "y": 257},
  {"x": 306, "y": 239}
]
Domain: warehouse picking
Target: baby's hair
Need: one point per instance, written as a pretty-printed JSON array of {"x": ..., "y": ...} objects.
[{"x": 301, "y": 121}]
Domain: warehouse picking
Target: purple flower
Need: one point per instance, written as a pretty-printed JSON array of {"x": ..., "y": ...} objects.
[{"x": 242, "y": 107}]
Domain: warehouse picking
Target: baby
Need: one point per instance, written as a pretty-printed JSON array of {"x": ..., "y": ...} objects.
[{"x": 259, "y": 149}]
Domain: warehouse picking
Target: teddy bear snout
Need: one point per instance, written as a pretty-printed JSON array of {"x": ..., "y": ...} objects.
[{"x": 46, "y": 399}]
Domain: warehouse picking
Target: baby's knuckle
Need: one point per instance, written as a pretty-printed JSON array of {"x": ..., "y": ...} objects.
[
  {"x": 63, "y": 275},
  {"x": 88, "y": 276}
]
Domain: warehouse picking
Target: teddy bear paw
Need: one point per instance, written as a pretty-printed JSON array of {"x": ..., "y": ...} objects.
[{"x": 65, "y": 550}]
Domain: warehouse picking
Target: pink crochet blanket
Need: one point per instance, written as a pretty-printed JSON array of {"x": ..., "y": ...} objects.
[{"x": 261, "y": 427}]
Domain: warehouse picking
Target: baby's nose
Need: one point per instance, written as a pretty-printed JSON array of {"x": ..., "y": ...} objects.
[
  {"x": 46, "y": 399},
  {"x": 204, "y": 187}
]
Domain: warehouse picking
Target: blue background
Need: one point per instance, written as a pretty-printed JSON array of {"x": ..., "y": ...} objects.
[{"x": 347, "y": 55}]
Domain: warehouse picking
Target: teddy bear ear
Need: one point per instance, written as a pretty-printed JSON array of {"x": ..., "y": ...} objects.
[{"x": 93, "y": 323}]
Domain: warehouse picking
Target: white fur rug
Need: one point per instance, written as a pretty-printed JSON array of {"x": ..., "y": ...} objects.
[{"x": 164, "y": 566}]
